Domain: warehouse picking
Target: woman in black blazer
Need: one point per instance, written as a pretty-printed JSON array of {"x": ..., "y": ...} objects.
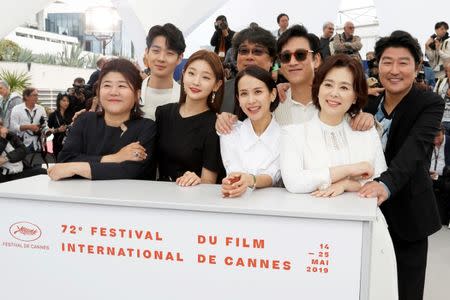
[{"x": 116, "y": 143}]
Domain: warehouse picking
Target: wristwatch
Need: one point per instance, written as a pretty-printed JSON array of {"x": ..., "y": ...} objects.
[{"x": 253, "y": 186}]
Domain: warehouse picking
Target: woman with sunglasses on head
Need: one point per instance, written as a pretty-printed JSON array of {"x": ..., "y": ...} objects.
[
  {"x": 58, "y": 122},
  {"x": 188, "y": 150},
  {"x": 116, "y": 143},
  {"x": 250, "y": 153}
]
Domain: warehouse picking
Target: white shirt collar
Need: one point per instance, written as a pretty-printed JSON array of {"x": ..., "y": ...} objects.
[
  {"x": 292, "y": 101},
  {"x": 268, "y": 137}
]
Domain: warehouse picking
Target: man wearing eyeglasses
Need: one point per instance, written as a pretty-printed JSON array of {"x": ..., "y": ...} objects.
[
  {"x": 251, "y": 46},
  {"x": 29, "y": 120},
  {"x": 298, "y": 52},
  {"x": 347, "y": 42}
]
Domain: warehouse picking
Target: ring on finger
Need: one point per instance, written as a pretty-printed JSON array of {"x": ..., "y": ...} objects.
[{"x": 136, "y": 154}]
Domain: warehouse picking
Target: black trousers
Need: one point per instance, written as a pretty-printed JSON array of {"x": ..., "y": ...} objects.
[{"x": 411, "y": 266}]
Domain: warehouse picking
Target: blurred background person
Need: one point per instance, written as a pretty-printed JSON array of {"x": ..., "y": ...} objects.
[
  {"x": 222, "y": 37},
  {"x": 8, "y": 101},
  {"x": 12, "y": 152},
  {"x": 283, "y": 24},
  {"x": 326, "y": 39},
  {"x": 58, "y": 122},
  {"x": 437, "y": 48},
  {"x": 347, "y": 42}
]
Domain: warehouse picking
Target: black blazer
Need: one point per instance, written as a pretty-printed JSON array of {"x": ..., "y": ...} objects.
[
  {"x": 411, "y": 211},
  {"x": 90, "y": 139}
]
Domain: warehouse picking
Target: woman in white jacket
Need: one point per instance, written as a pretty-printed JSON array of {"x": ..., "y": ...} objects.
[{"x": 325, "y": 157}]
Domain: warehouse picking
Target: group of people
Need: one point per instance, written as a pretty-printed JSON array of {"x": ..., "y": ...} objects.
[{"x": 316, "y": 134}]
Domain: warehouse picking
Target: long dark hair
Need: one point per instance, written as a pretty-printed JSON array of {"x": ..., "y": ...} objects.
[
  {"x": 131, "y": 74},
  {"x": 58, "y": 102}
]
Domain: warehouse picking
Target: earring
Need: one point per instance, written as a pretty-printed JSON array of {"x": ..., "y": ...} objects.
[{"x": 213, "y": 97}]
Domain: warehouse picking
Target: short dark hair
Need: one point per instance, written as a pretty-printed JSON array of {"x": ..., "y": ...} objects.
[
  {"x": 27, "y": 92},
  {"x": 79, "y": 80},
  {"x": 215, "y": 63},
  {"x": 440, "y": 24},
  {"x": 280, "y": 16},
  {"x": 132, "y": 76},
  {"x": 221, "y": 18},
  {"x": 174, "y": 37},
  {"x": 359, "y": 80},
  {"x": 260, "y": 74},
  {"x": 399, "y": 39},
  {"x": 255, "y": 35},
  {"x": 298, "y": 31}
]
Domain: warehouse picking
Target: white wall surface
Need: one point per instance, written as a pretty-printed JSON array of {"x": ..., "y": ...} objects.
[{"x": 49, "y": 76}]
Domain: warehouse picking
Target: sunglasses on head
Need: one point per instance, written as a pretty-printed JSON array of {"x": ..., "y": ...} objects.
[
  {"x": 299, "y": 54},
  {"x": 257, "y": 51}
]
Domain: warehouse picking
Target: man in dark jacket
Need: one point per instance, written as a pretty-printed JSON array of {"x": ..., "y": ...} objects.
[{"x": 410, "y": 119}]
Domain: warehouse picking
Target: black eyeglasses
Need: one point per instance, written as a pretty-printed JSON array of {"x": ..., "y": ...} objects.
[
  {"x": 257, "y": 51},
  {"x": 299, "y": 54}
]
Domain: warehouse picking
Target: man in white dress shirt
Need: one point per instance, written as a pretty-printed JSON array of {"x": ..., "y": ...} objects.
[
  {"x": 298, "y": 52},
  {"x": 29, "y": 120},
  {"x": 164, "y": 52}
]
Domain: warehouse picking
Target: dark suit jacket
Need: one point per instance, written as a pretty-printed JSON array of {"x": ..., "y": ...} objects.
[
  {"x": 93, "y": 79},
  {"x": 411, "y": 210},
  {"x": 90, "y": 139},
  {"x": 228, "y": 103}
]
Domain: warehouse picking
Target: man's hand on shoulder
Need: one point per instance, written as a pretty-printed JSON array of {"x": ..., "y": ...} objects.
[
  {"x": 362, "y": 121},
  {"x": 225, "y": 122}
]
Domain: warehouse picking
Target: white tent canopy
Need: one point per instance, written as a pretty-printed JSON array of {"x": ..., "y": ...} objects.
[{"x": 195, "y": 18}]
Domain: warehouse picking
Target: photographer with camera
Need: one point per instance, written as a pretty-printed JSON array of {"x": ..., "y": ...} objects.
[
  {"x": 347, "y": 42},
  {"x": 29, "y": 121},
  {"x": 78, "y": 95},
  {"x": 437, "y": 48},
  {"x": 222, "y": 37}
]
